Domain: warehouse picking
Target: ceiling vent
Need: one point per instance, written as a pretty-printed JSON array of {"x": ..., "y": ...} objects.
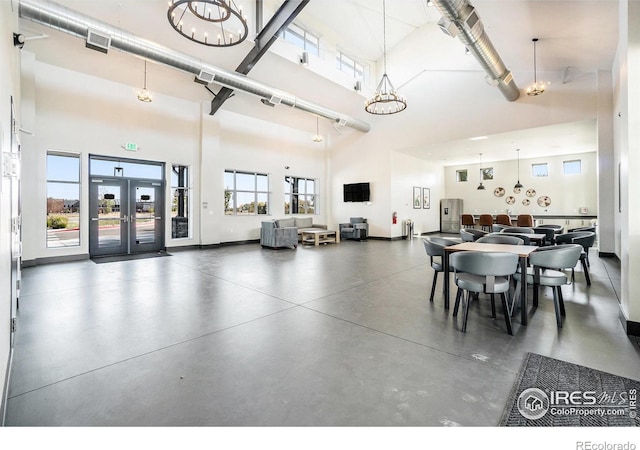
[
  {"x": 205, "y": 77},
  {"x": 342, "y": 122},
  {"x": 275, "y": 100},
  {"x": 98, "y": 41},
  {"x": 448, "y": 27}
]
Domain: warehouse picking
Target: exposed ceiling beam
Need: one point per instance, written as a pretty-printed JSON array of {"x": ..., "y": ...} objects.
[{"x": 265, "y": 39}]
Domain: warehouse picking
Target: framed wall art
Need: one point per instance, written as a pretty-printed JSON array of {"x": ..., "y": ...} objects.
[{"x": 417, "y": 198}]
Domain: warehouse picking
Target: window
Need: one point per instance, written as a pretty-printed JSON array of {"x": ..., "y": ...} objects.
[
  {"x": 572, "y": 167},
  {"x": 302, "y": 38},
  {"x": 180, "y": 202},
  {"x": 349, "y": 66},
  {"x": 461, "y": 175},
  {"x": 245, "y": 193},
  {"x": 300, "y": 195},
  {"x": 540, "y": 170},
  {"x": 486, "y": 173},
  {"x": 63, "y": 200}
]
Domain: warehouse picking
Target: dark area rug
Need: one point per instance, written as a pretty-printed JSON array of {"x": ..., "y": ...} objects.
[
  {"x": 551, "y": 393},
  {"x": 118, "y": 258}
]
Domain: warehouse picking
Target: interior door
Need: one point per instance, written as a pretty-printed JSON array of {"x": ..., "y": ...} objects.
[{"x": 108, "y": 217}]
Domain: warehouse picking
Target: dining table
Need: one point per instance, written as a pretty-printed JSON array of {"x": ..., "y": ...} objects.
[
  {"x": 535, "y": 237},
  {"x": 523, "y": 252}
]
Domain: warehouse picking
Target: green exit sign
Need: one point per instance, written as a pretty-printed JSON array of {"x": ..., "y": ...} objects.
[{"x": 131, "y": 147}]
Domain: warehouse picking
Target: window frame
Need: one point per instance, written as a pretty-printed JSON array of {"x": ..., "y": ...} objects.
[
  {"x": 343, "y": 60},
  {"x": 564, "y": 167},
  {"x": 187, "y": 189},
  {"x": 78, "y": 183},
  {"x": 290, "y": 194},
  {"x": 466, "y": 175},
  {"x": 310, "y": 42},
  {"x": 533, "y": 169},
  {"x": 255, "y": 191},
  {"x": 486, "y": 174}
]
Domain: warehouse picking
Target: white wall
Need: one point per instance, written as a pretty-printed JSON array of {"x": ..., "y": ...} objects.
[
  {"x": 233, "y": 141},
  {"x": 9, "y": 86},
  {"x": 84, "y": 115},
  {"x": 627, "y": 141},
  {"x": 408, "y": 172},
  {"x": 607, "y": 184},
  {"x": 567, "y": 193}
]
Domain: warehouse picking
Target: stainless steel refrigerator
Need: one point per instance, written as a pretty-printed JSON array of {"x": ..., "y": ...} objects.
[{"x": 450, "y": 212}]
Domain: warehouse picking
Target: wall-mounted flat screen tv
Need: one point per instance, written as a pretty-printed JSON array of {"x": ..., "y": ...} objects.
[{"x": 357, "y": 192}]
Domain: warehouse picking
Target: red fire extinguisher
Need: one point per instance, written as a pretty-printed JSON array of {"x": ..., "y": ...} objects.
[{"x": 394, "y": 218}]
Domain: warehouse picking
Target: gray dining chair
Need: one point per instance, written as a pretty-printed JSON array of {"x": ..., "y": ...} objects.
[
  {"x": 483, "y": 272},
  {"x": 434, "y": 246},
  {"x": 466, "y": 236},
  {"x": 501, "y": 239},
  {"x": 547, "y": 265},
  {"x": 526, "y": 230},
  {"x": 584, "y": 238},
  {"x": 549, "y": 234}
]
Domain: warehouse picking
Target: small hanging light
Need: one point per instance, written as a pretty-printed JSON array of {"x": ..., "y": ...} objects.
[
  {"x": 317, "y": 137},
  {"x": 481, "y": 186},
  {"x": 144, "y": 95},
  {"x": 518, "y": 185},
  {"x": 536, "y": 88}
]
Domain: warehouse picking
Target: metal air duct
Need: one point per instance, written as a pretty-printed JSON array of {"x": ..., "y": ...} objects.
[
  {"x": 460, "y": 18},
  {"x": 72, "y": 22}
]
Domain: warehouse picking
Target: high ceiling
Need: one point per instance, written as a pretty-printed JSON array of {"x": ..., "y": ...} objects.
[{"x": 576, "y": 37}]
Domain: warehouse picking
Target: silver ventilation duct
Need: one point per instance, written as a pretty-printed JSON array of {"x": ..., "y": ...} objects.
[
  {"x": 102, "y": 36},
  {"x": 460, "y": 18}
]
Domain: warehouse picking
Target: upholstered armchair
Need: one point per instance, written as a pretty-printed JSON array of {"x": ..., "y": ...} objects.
[
  {"x": 273, "y": 236},
  {"x": 357, "y": 228}
]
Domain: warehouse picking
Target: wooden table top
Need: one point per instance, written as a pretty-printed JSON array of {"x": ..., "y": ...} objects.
[{"x": 520, "y": 250}]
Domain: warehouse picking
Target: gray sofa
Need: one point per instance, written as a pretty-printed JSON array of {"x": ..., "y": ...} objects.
[{"x": 286, "y": 232}]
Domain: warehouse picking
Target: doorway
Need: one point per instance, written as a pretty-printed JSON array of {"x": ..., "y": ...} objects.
[{"x": 125, "y": 214}]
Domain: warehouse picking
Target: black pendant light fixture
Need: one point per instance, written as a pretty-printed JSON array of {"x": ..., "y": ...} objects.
[
  {"x": 518, "y": 185},
  {"x": 481, "y": 186}
]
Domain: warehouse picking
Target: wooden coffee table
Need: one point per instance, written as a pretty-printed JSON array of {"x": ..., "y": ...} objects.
[{"x": 318, "y": 237}]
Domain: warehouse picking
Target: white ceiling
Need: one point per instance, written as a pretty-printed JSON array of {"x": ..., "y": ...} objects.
[{"x": 576, "y": 37}]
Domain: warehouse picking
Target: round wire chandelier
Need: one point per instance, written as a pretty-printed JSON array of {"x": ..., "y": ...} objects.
[
  {"x": 215, "y": 23},
  {"x": 385, "y": 100}
]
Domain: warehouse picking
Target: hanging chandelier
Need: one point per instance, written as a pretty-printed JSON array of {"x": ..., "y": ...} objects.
[
  {"x": 518, "y": 185},
  {"x": 144, "y": 95},
  {"x": 385, "y": 100},
  {"x": 215, "y": 23},
  {"x": 536, "y": 88},
  {"x": 481, "y": 186}
]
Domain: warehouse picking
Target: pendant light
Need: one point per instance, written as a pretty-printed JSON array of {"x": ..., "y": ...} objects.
[
  {"x": 317, "y": 137},
  {"x": 144, "y": 95},
  {"x": 481, "y": 186},
  {"x": 385, "y": 100},
  {"x": 518, "y": 185},
  {"x": 536, "y": 88}
]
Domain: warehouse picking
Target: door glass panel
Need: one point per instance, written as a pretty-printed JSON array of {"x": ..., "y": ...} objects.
[
  {"x": 145, "y": 215},
  {"x": 109, "y": 216}
]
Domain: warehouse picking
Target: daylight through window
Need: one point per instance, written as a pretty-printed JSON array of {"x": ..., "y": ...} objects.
[
  {"x": 245, "y": 193},
  {"x": 300, "y": 195},
  {"x": 63, "y": 200}
]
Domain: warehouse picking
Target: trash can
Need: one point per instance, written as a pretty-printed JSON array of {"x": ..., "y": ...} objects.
[{"x": 408, "y": 229}]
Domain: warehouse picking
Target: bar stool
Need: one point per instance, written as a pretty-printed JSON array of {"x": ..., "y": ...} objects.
[
  {"x": 486, "y": 221},
  {"x": 468, "y": 221},
  {"x": 525, "y": 220},
  {"x": 503, "y": 219}
]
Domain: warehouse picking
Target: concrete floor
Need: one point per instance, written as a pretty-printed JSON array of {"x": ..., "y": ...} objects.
[{"x": 340, "y": 335}]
